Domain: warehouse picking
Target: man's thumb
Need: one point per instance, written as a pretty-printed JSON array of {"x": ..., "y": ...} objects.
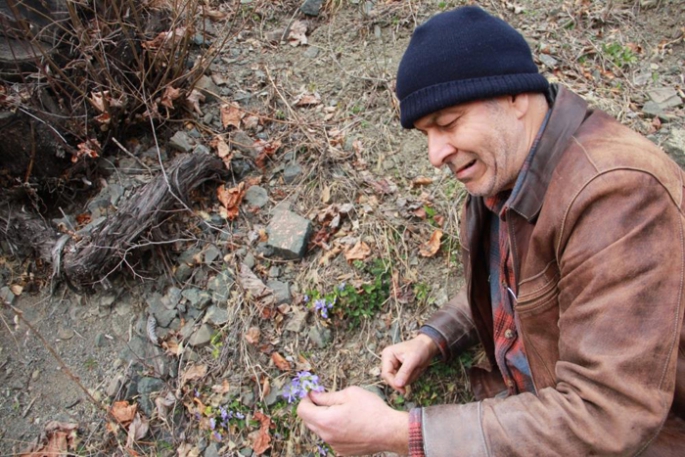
[
  {"x": 325, "y": 398},
  {"x": 404, "y": 373}
]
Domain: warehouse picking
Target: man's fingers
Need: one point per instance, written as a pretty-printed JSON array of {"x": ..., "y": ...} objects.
[
  {"x": 306, "y": 409},
  {"x": 326, "y": 398}
]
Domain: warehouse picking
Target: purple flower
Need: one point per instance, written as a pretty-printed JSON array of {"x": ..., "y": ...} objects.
[
  {"x": 212, "y": 423},
  {"x": 225, "y": 415},
  {"x": 302, "y": 384},
  {"x": 322, "y": 307},
  {"x": 341, "y": 287},
  {"x": 238, "y": 415},
  {"x": 322, "y": 450},
  {"x": 306, "y": 298},
  {"x": 217, "y": 436}
]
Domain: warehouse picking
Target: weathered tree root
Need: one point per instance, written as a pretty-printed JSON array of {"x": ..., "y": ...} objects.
[{"x": 89, "y": 260}]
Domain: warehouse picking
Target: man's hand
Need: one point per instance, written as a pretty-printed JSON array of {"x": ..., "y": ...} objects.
[
  {"x": 402, "y": 363},
  {"x": 355, "y": 421}
]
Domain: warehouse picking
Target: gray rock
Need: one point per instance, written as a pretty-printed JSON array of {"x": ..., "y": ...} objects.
[
  {"x": 201, "y": 149},
  {"x": 189, "y": 256},
  {"x": 297, "y": 320},
  {"x": 274, "y": 272},
  {"x": 202, "y": 336},
  {"x": 274, "y": 394},
  {"x": 216, "y": 316},
  {"x": 281, "y": 291},
  {"x": 220, "y": 287},
  {"x": 665, "y": 97},
  {"x": 675, "y": 143},
  {"x": 243, "y": 143},
  {"x": 311, "y": 7},
  {"x": 146, "y": 387},
  {"x": 291, "y": 172},
  {"x": 652, "y": 109},
  {"x": 113, "y": 386},
  {"x": 100, "y": 340},
  {"x": 311, "y": 52},
  {"x": 108, "y": 299},
  {"x": 265, "y": 249},
  {"x": 211, "y": 451},
  {"x": 256, "y": 196},
  {"x": 549, "y": 61},
  {"x": 197, "y": 298},
  {"x": 181, "y": 142},
  {"x": 208, "y": 88},
  {"x": 183, "y": 272},
  {"x": 289, "y": 234},
  {"x": 320, "y": 337},
  {"x": 65, "y": 333},
  {"x": 249, "y": 261},
  {"x": 211, "y": 254},
  {"x": 135, "y": 349},
  {"x": 162, "y": 314},
  {"x": 6, "y": 295}
]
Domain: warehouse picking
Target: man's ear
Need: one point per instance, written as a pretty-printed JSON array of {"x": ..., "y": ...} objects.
[{"x": 520, "y": 103}]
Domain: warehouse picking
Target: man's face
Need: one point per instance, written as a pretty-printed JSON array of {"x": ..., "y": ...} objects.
[{"x": 479, "y": 141}]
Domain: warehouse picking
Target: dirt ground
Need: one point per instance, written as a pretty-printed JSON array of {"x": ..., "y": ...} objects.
[{"x": 330, "y": 104}]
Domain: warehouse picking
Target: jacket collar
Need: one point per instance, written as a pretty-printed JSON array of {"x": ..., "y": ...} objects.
[{"x": 568, "y": 112}]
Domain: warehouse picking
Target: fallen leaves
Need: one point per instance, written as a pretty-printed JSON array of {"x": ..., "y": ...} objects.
[
  {"x": 308, "y": 99},
  {"x": 297, "y": 34},
  {"x": 265, "y": 149},
  {"x": 255, "y": 288},
  {"x": 194, "y": 100},
  {"x": 137, "y": 430},
  {"x": 193, "y": 373},
  {"x": 230, "y": 199},
  {"x": 359, "y": 251},
  {"x": 123, "y": 412},
  {"x": 262, "y": 438},
  {"x": 222, "y": 150},
  {"x": 280, "y": 362},
  {"x": 231, "y": 114},
  {"x": 170, "y": 94},
  {"x": 88, "y": 148},
  {"x": 430, "y": 248},
  {"x": 252, "y": 335},
  {"x": 60, "y": 437}
]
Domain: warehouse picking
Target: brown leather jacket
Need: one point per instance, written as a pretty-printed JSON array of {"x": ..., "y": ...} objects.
[{"x": 597, "y": 237}]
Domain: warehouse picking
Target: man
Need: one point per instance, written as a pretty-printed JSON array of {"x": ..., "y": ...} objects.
[{"x": 574, "y": 256}]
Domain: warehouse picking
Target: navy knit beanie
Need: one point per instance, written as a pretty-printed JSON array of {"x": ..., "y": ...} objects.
[{"x": 461, "y": 56}]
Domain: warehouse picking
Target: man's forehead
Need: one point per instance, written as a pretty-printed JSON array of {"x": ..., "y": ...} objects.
[{"x": 432, "y": 118}]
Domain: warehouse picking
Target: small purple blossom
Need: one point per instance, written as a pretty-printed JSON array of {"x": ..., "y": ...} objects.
[
  {"x": 301, "y": 385},
  {"x": 322, "y": 306},
  {"x": 225, "y": 414},
  {"x": 341, "y": 287},
  {"x": 212, "y": 423},
  {"x": 217, "y": 435},
  {"x": 306, "y": 298},
  {"x": 238, "y": 415},
  {"x": 322, "y": 450}
]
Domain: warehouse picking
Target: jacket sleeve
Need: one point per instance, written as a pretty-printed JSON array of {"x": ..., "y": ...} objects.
[
  {"x": 620, "y": 256},
  {"x": 452, "y": 327}
]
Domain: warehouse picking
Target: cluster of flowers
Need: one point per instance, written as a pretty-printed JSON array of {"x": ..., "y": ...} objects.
[
  {"x": 324, "y": 304},
  {"x": 301, "y": 385},
  {"x": 222, "y": 424}
]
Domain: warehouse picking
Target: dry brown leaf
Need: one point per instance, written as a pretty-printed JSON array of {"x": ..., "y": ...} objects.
[
  {"x": 61, "y": 437},
  {"x": 98, "y": 100},
  {"x": 280, "y": 362},
  {"x": 163, "y": 404},
  {"x": 360, "y": 251},
  {"x": 88, "y": 148},
  {"x": 137, "y": 430},
  {"x": 187, "y": 450},
  {"x": 123, "y": 412},
  {"x": 252, "y": 335},
  {"x": 326, "y": 194},
  {"x": 194, "y": 100},
  {"x": 329, "y": 255},
  {"x": 308, "y": 99},
  {"x": 432, "y": 247},
  {"x": 231, "y": 199},
  {"x": 255, "y": 287},
  {"x": 251, "y": 122},
  {"x": 263, "y": 439},
  {"x": 193, "y": 373},
  {"x": 231, "y": 114},
  {"x": 421, "y": 181},
  {"x": 172, "y": 347},
  {"x": 214, "y": 15},
  {"x": 297, "y": 34},
  {"x": 165, "y": 38},
  {"x": 265, "y": 149},
  {"x": 222, "y": 388},
  {"x": 170, "y": 94},
  {"x": 266, "y": 388}
]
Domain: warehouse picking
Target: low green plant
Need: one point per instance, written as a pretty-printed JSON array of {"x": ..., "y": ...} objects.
[
  {"x": 351, "y": 303},
  {"x": 621, "y": 56},
  {"x": 216, "y": 343}
]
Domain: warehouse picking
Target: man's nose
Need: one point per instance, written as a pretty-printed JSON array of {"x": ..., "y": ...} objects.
[{"x": 438, "y": 149}]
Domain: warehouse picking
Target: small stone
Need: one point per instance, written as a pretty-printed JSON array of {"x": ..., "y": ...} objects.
[
  {"x": 549, "y": 61},
  {"x": 201, "y": 149},
  {"x": 675, "y": 143},
  {"x": 249, "y": 261},
  {"x": 216, "y": 316},
  {"x": 320, "y": 337},
  {"x": 274, "y": 272},
  {"x": 6, "y": 295},
  {"x": 100, "y": 340},
  {"x": 208, "y": 88},
  {"x": 297, "y": 320},
  {"x": 289, "y": 234},
  {"x": 211, "y": 254},
  {"x": 65, "y": 334},
  {"x": 665, "y": 97},
  {"x": 113, "y": 386},
  {"x": 108, "y": 299},
  {"x": 274, "y": 394},
  {"x": 265, "y": 249},
  {"x": 35, "y": 375},
  {"x": 220, "y": 286},
  {"x": 181, "y": 142},
  {"x": 211, "y": 451},
  {"x": 202, "y": 336},
  {"x": 243, "y": 143},
  {"x": 291, "y": 172},
  {"x": 652, "y": 109},
  {"x": 197, "y": 298},
  {"x": 256, "y": 196},
  {"x": 311, "y": 7},
  {"x": 162, "y": 313},
  {"x": 281, "y": 291},
  {"x": 311, "y": 52}
]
